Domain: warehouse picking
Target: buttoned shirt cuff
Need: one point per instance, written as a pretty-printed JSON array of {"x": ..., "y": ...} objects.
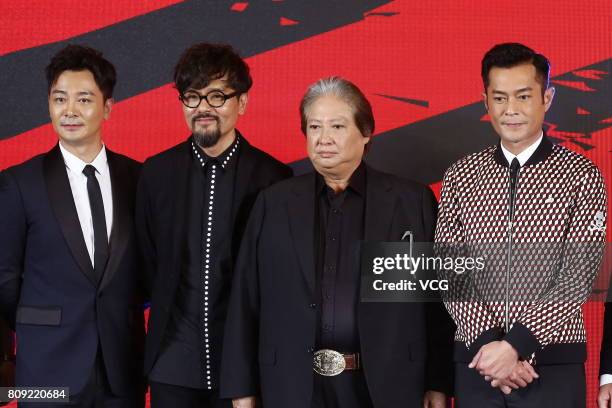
[{"x": 605, "y": 379}]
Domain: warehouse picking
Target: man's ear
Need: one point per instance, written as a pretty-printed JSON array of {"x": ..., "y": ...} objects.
[
  {"x": 549, "y": 95},
  {"x": 243, "y": 100},
  {"x": 108, "y": 106}
]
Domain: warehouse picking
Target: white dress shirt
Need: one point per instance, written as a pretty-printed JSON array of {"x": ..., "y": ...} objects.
[
  {"x": 525, "y": 154},
  {"x": 78, "y": 185}
]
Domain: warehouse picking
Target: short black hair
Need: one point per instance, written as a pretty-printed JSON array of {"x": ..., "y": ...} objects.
[
  {"x": 508, "y": 55},
  {"x": 80, "y": 58},
  {"x": 203, "y": 63}
]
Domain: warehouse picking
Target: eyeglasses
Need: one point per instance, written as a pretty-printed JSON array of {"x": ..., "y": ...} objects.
[{"x": 215, "y": 99}]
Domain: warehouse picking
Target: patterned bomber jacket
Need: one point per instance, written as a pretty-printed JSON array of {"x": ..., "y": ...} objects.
[{"x": 539, "y": 266}]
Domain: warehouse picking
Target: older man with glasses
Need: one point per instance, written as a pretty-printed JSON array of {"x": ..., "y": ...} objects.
[{"x": 193, "y": 201}]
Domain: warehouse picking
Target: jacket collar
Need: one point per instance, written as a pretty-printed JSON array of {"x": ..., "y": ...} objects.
[
  {"x": 541, "y": 153},
  {"x": 379, "y": 211},
  {"x": 224, "y": 159}
]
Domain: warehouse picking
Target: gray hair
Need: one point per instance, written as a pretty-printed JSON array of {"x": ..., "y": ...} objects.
[{"x": 346, "y": 91}]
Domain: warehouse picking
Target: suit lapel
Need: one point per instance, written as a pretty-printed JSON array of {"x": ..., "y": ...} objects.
[
  {"x": 301, "y": 223},
  {"x": 181, "y": 179},
  {"x": 62, "y": 203},
  {"x": 380, "y": 206},
  {"x": 245, "y": 169},
  {"x": 120, "y": 234}
]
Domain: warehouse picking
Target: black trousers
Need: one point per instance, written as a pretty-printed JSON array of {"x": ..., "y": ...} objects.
[
  {"x": 559, "y": 386},
  {"x": 174, "y": 396},
  {"x": 345, "y": 390},
  {"x": 97, "y": 394}
]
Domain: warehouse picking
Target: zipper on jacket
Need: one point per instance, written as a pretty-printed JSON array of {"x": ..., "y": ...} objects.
[{"x": 513, "y": 185}]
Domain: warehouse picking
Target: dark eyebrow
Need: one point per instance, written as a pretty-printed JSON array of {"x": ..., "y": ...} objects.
[
  {"x": 59, "y": 91},
  {"x": 499, "y": 92},
  {"x": 525, "y": 89},
  {"x": 224, "y": 90},
  {"x": 313, "y": 120}
]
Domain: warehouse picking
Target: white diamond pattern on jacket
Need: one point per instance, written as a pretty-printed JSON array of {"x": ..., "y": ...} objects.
[{"x": 556, "y": 202}]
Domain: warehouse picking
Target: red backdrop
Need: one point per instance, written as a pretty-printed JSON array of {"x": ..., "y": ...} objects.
[{"x": 418, "y": 64}]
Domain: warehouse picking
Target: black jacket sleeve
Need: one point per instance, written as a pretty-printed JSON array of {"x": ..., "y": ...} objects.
[
  {"x": 13, "y": 230},
  {"x": 239, "y": 370},
  {"x": 439, "y": 324},
  {"x": 605, "y": 358},
  {"x": 145, "y": 236}
]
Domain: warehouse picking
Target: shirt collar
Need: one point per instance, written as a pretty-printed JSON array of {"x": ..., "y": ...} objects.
[
  {"x": 525, "y": 154},
  {"x": 224, "y": 159},
  {"x": 77, "y": 165},
  {"x": 357, "y": 182}
]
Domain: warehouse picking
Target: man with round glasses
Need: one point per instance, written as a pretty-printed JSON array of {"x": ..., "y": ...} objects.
[
  {"x": 192, "y": 204},
  {"x": 215, "y": 99}
]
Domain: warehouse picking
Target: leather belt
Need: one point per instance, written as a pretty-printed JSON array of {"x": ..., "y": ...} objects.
[{"x": 330, "y": 362}]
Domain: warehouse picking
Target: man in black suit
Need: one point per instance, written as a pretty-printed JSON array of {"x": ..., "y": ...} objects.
[
  {"x": 193, "y": 202},
  {"x": 297, "y": 284},
  {"x": 69, "y": 261},
  {"x": 7, "y": 357},
  {"x": 604, "y": 399}
]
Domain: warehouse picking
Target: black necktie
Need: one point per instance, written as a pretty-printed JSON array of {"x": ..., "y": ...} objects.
[
  {"x": 99, "y": 221},
  {"x": 514, "y": 171}
]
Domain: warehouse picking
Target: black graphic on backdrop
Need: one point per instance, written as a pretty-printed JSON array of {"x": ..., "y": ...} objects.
[{"x": 144, "y": 49}]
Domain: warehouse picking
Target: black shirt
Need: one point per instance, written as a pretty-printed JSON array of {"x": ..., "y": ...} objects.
[
  {"x": 192, "y": 348},
  {"x": 339, "y": 220}
]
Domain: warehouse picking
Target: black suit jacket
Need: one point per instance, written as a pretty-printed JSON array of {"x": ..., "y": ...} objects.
[
  {"x": 161, "y": 214},
  {"x": 48, "y": 289},
  {"x": 270, "y": 333},
  {"x": 605, "y": 356}
]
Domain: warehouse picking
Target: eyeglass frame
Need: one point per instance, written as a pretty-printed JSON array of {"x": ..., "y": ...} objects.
[{"x": 202, "y": 97}]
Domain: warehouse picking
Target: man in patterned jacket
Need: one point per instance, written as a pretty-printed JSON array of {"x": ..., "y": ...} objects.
[{"x": 536, "y": 213}]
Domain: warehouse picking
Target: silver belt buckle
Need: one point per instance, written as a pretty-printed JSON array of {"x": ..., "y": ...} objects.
[{"x": 328, "y": 362}]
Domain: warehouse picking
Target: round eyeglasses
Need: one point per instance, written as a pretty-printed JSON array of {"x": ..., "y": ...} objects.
[{"x": 215, "y": 99}]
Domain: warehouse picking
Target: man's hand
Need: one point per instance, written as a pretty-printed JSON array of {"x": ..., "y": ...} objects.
[
  {"x": 604, "y": 399},
  {"x": 495, "y": 360},
  {"x": 246, "y": 402},
  {"x": 434, "y": 399},
  {"x": 522, "y": 375}
]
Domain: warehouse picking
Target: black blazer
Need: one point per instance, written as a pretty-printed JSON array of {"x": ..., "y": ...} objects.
[
  {"x": 161, "y": 218},
  {"x": 270, "y": 333},
  {"x": 47, "y": 286},
  {"x": 605, "y": 356}
]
